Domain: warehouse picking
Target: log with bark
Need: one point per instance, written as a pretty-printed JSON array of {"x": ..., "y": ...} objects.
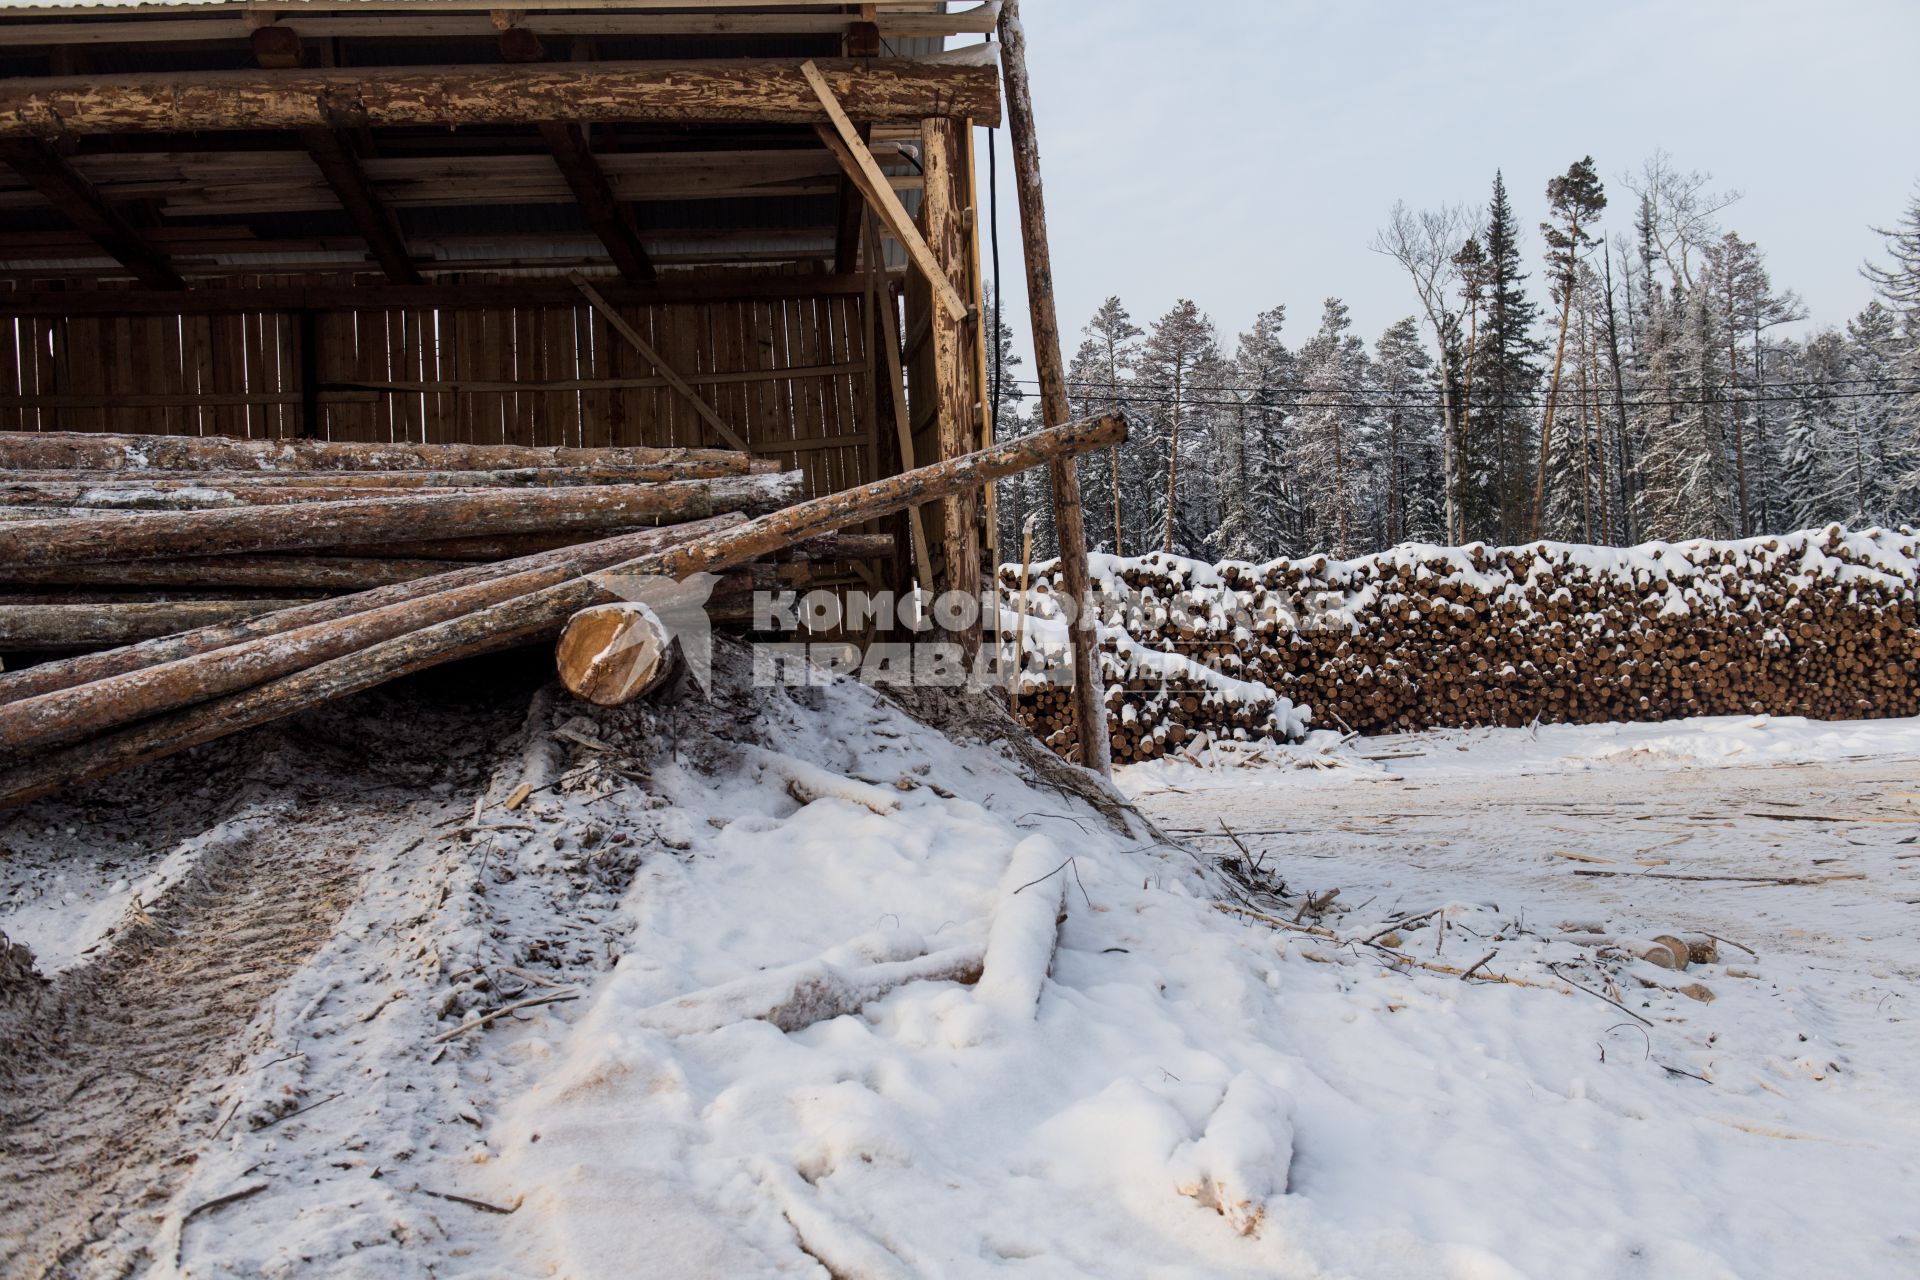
[
  {"x": 700, "y": 464},
  {"x": 268, "y": 572},
  {"x": 52, "y": 627},
  {"x": 70, "y": 714},
  {"x": 174, "y": 491},
  {"x": 729, "y": 91},
  {"x": 159, "y": 534},
  {"x": 327, "y": 571},
  {"x": 99, "y": 451},
  {"x": 536, "y": 614}
]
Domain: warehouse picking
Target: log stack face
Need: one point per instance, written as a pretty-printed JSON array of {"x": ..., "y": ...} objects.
[{"x": 1820, "y": 623}]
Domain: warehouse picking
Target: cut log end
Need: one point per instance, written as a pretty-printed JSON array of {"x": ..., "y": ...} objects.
[{"x": 612, "y": 654}]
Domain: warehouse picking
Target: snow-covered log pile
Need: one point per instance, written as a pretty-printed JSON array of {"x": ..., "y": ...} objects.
[{"x": 1819, "y": 623}]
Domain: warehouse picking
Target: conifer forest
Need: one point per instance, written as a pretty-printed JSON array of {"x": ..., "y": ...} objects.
[{"x": 1626, "y": 371}]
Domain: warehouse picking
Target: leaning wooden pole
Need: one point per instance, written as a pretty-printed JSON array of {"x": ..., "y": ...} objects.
[{"x": 1089, "y": 698}]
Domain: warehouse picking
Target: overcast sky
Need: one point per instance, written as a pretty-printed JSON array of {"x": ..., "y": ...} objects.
[{"x": 1242, "y": 152}]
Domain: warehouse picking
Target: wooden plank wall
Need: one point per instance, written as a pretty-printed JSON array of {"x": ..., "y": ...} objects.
[{"x": 792, "y": 375}]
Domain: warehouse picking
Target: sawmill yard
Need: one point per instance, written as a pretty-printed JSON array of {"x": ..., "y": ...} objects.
[
  {"x": 515, "y": 986},
  {"x": 421, "y": 424}
]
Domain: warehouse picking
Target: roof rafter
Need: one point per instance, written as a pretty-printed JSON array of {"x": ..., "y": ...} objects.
[
  {"x": 611, "y": 220},
  {"x": 332, "y": 153},
  {"x": 77, "y": 200}
]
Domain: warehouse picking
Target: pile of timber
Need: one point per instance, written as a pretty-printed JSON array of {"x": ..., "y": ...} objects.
[
  {"x": 90, "y": 715},
  {"x": 106, "y": 539},
  {"x": 1820, "y": 623},
  {"x": 1157, "y": 700}
]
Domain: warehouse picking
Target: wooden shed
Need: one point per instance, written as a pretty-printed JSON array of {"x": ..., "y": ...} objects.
[{"x": 738, "y": 223}]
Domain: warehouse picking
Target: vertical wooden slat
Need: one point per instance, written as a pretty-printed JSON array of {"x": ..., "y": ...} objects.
[
  {"x": 495, "y": 348},
  {"x": 48, "y": 379},
  {"x": 765, "y": 415},
  {"x": 589, "y": 358},
  {"x": 11, "y": 330}
]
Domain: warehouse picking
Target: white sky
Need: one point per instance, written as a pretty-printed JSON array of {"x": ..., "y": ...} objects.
[{"x": 1242, "y": 152}]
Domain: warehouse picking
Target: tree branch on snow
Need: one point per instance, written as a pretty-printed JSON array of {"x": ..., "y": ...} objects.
[
  {"x": 841, "y": 981},
  {"x": 809, "y": 782},
  {"x": 1026, "y": 928}
]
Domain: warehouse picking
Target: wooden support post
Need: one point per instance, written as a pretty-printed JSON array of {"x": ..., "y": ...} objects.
[
  {"x": 612, "y": 221},
  {"x": 1089, "y": 699},
  {"x": 652, "y": 357},
  {"x": 953, "y": 385},
  {"x": 857, "y": 161},
  {"x": 75, "y": 199},
  {"x": 889, "y": 339}
]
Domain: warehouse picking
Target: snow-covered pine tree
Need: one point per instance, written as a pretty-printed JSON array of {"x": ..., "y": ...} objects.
[
  {"x": 1404, "y": 375},
  {"x": 1743, "y": 306},
  {"x": 1330, "y": 437},
  {"x": 1260, "y": 516},
  {"x": 1431, "y": 247},
  {"x": 1819, "y": 447},
  {"x": 1176, "y": 361},
  {"x": 1883, "y": 441},
  {"x": 1506, "y": 382},
  {"x": 1898, "y": 284},
  {"x": 1458, "y": 361},
  {"x": 1097, "y": 382},
  {"x": 1580, "y": 466},
  {"x": 1576, "y": 199}
]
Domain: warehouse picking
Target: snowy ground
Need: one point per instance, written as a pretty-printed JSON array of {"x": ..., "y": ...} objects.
[{"x": 783, "y": 957}]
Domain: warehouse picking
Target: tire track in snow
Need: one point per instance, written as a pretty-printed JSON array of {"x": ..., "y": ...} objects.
[{"x": 91, "y": 1087}]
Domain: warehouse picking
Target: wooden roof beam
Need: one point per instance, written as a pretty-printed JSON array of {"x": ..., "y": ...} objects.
[
  {"x": 278, "y": 48},
  {"x": 611, "y": 220},
  {"x": 333, "y": 155},
  {"x": 223, "y": 26},
  {"x": 77, "y": 200},
  {"x": 719, "y": 90}
]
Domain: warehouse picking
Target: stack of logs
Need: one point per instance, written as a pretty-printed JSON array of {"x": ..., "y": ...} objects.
[
  {"x": 226, "y": 529},
  {"x": 1819, "y": 623},
  {"x": 482, "y": 566}
]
